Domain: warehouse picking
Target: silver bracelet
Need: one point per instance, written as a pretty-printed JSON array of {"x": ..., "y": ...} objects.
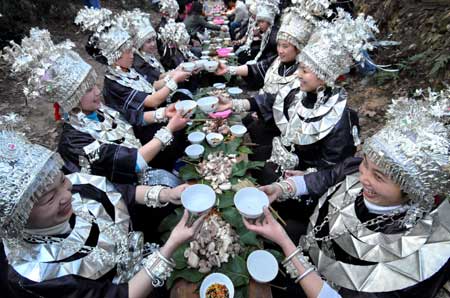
[
  {"x": 171, "y": 84},
  {"x": 160, "y": 115},
  {"x": 151, "y": 197},
  {"x": 290, "y": 266},
  {"x": 305, "y": 274},
  {"x": 158, "y": 268},
  {"x": 232, "y": 70},
  {"x": 239, "y": 105},
  {"x": 165, "y": 136},
  {"x": 287, "y": 189}
]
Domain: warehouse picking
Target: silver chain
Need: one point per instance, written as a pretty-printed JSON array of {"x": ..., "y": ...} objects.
[{"x": 375, "y": 221}]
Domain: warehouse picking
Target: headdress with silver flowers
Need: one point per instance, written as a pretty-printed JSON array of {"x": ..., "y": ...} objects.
[
  {"x": 138, "y": 26},
  {"x": 109, "y": 36},
  {"x": 299, "y": 21},
  {"x": 335, "y": 46},
  {"x": 26, "y": 171},
  {"x": 55, "y": 72},
  {"x": 174, "y": 33},
  {"x": 413, "y": 150},
  {"x": 267, "y": 10},
  {"x": 169, "y": 7}
]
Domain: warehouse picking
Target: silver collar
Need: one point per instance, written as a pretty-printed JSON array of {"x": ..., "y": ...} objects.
[
  {"x": 116, "y": 246},
  {"x": 273, "y": 82},
  {"x": 131, "y": 79},
  {"x": 152, "y": 61},
  {"x": 402, "y": 260}
]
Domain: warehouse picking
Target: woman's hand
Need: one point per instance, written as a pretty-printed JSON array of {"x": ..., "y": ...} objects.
[
  {"x": 180, "y": 76},
  {"x": 292, "y": 173},
  {"x": 172, "y": 195},
  {"x": 177, "y": 122},
  {"x": 224, "y": 104},
  {"x": 273, "y": 191},
  {"x": 222, "y": 69},
  {"x": 170, "y": 111},
  {"x": 269, "y": 228},
  {"x": 182, "y": 233}
]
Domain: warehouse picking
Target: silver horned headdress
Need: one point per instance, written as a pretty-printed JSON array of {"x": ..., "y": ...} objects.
[
  {"x": 335, "y": 46},
  {"x": 267, "y": 10},
  {"x": 26, "y": 171},
  {"x": 413, "y": 150},
  {"x": 174, "y": 34},
  {"x": 55, "y": 72},
  {"x": 108, "y": 36},
  {"x": 299, "y": 21},
  {"x": 169, "y": 7},
  {"x": 138, "y": 26}
]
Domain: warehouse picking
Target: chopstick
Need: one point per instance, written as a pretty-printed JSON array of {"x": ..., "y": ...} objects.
[
  {"x": 277, "y": 287},
  {"x": 277, "y": 216}
]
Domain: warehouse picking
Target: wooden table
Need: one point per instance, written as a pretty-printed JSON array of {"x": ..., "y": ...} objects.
[{"x": 184, "y": 289}]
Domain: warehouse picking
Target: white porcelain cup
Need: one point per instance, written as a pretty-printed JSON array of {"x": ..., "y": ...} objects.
[
  {"x": 234, "y": 91},
  {"x": 186, "y": 108},
  {"x": 196, "y": 137},
  {"x": 208, "y": 104},
  {"x": 219, "y": 86},
  {"x": 262, "y": 266},
  {"x": 249, "y": 201},
  {"x": 200, "y": 64},
  {"x": 198, "y": 199},
  {"x": 194, "y": 151},
  {"x": 211, "y": 66},
  {"x": 238, "y": 130},
  {"x": 214, "y": 139},
  {"x": 188, "y": 66}
]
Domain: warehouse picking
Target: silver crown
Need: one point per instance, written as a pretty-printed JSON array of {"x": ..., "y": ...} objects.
[
  {"x": 55, "y": 72},
  {"x": 252, "y": 6},
  {"x": 267, "y": 10},
  {"x": 299, "y": 21},
  {"x": 335, "y": 47},
  {"x": 174, "y": 34},
  {"x": 138, "y": 26},
  {"x": 109, "y": 36},
  {"x": 413, "y": 148},
  {"x": 169, "y": 7},
  {"x": 26, "y": 171}
]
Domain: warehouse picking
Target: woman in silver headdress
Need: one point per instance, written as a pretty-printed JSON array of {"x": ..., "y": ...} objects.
[
  {"x": 125, "y": 90},
  {"x": 263, "y": 43},
  {"x": 95, "y": 138},
  {"x": 382, "y": 231},
  {"x": 72, "y": 235}
]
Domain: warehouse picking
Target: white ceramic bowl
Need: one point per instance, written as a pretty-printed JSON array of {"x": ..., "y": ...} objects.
[
  {"x": 198, "y": 198},
  {"x": 188, "y": 66},
  {"x": 219, "y": 86},
  {"x": 250, "y": 201},
  {"x": 214, "y": 139},
  {"x": 205, "y": 53},
  {"x": 216, "y": 278},
  {"x": 186, "y": 107},
  {"x": 208, "y": 104},
  {"x": 211, "y": 66},
  {"x": 196, "y": 137},
  {"x": 200, "y": 64},
  {"x": 262, "y": 266},
  {"x": 194, "y": 151},
  {"x": 234, "y": 91},
  {"x": 204, "y": 58},
  {"x": 238, "y": 130}
]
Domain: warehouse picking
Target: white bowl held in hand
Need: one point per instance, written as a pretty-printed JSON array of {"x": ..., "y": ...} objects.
[
  {"x": 188, "y": 66},
  {"x": 211, "y": 66},
  {"x": 196, "y": 137},
  {"x": 262, "y": 266},
  {"x": 249, "y": 201},
  {"x": 194, "y": 151},
  {"x": 186, "y": 108},
  {"x": 238, "y": 130},
  {"x": 200, "y": 64},
  {"x": 208, "y": 104},
  {"x": 214, "y": 139},
  {"x": 216, "y": 278},
  {"x": 198, "y": 198}
]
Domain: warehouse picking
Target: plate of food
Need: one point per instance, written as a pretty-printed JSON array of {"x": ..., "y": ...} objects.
[{"x": 217, "y": 285}]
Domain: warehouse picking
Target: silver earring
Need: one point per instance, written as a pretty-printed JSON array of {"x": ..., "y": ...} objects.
[{"x": 320, "y": 96}]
